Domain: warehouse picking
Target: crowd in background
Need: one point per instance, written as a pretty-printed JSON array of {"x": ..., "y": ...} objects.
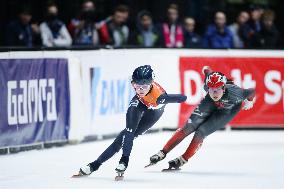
[{"x": 253, "y": 28}]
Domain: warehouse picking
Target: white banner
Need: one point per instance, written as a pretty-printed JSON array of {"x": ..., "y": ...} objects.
[{"x": 107, "y": 88}]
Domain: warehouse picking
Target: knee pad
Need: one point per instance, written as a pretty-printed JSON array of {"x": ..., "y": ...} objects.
[
  {"x": 200, "y": 134},
  {"x": 188, "y": 128}
]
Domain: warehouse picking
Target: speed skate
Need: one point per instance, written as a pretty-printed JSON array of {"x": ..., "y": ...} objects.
[
  {"x": 78, "y": 175},
  {"x": 149, "y": 165},
  {"x": 171, "y": 169}
]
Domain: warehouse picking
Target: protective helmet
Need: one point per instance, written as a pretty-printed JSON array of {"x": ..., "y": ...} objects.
[
  {"x": 215, "y": 80},
  {"x": 143, "y": 75}
]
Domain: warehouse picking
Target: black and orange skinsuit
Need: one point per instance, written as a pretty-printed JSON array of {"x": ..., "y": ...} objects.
[{"x": 142, "y": 114}]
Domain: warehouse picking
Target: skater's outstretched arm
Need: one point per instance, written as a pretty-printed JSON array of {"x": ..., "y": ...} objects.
[{"x": 171, "y": 98}]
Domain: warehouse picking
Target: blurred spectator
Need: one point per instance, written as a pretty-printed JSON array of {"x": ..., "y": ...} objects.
[
  {"x": 250, "y": 31},
  {"x": 83, "y": 28},
  {"x": 113, "y": 30},
  {"x": 191, "y": 39},
  {"x": 53, "y": 31},
  {"x": 22, "y": 32},
  {"x": 218, "y": 35},
  {"x": 146, "y": 34},
  {"x": 255, "y": 21},
  {"x": 235, "y": 28},
  {"x": 269, "y": 35},
  {"x": 171, "y": 32}
]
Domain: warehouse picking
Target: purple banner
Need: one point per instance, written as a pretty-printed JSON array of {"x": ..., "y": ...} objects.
[{"x": 34, "y": 101}]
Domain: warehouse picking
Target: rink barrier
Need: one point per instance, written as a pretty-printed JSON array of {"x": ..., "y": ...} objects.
[
  {"x": 16, "y": 149},
  {"x": 34, "y": 146},
  {"x": 103, "y": 69},
  {"x": 98, "y": 76},
  {"x": 93, "y": 138},
  {"x": 34, "y": 101}
]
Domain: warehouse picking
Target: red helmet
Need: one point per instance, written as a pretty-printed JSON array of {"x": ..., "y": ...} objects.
[{"x": 215, "y": 80}]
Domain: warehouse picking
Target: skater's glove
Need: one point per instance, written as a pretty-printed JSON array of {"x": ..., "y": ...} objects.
[
  {"x": 206, "y": 70},
  {"x": 171, "y": 98},
  {"x": 248, "y": 104}
]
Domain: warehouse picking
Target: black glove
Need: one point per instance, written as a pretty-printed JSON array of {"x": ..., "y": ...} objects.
[{"x": 171, "y": 98}]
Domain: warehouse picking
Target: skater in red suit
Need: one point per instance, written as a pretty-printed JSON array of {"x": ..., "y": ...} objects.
[{"x": 221, "y": 104}]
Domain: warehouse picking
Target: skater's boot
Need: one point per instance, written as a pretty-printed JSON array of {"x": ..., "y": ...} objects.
[
  {"x": 177, "y": 163},
  {"x": 120, "y": 171},
  {"x": 85, "y": 170},
  {"x": 123, "y": 163},
  {"x": 88, "y": 169},
  {"x": 157, "y": 157},
  {"x": 120, "y": 168}
]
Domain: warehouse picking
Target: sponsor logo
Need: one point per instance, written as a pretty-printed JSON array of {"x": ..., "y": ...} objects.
[
  {"x": 31, "y": 101},
  {"x": 110, "y": 96}
]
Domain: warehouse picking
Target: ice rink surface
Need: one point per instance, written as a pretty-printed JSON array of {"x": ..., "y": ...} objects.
[{"x": 227, "y": 160}]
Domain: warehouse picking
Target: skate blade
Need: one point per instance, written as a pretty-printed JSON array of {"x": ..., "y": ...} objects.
[
  {"x": 149, "y": 165},
  {"x": 78, "y": 175},
  {"x": 119, "y": 178},
  {"x": 171, "y": 170}
]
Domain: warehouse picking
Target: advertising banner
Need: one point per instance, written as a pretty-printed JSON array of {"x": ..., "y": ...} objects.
[
  {"x": 108, "y": 90},
  {"x": 264, "y": 74},
  {"x": 34, "y": 101}
]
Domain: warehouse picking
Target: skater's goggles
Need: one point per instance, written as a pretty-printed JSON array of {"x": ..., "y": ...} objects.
[{"x": 141, "y": 87}]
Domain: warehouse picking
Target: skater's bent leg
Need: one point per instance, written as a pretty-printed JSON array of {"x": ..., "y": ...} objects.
[
  {"x": 127, "y": 144},
  {"x": 109, "y": 152},
  {"x": 194, "y": 145},
  {"x": 197, "y": 118},
  {"x": 215, "y": 122},
  {"x": 133, "y": 116},
  {"x": 179, "y": 135},
  {"x": 150, "y": 117},
  {"x": 148, "y": 120}
]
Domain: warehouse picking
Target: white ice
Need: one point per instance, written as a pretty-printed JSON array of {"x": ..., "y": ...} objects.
[{"x": 227, "y": 160}]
